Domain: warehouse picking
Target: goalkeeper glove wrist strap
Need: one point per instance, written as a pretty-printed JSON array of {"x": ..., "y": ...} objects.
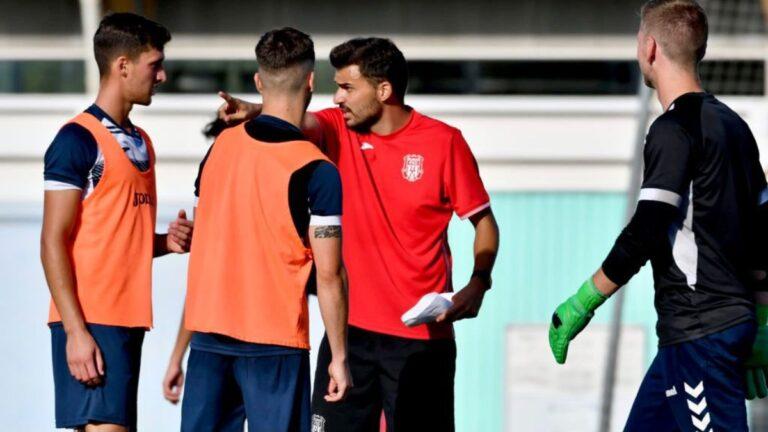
[{"x": 590, "y": 298}]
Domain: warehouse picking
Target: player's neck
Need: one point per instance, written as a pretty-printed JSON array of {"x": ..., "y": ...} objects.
[
  {"x": 111, "y": 101},
  {"x": 288, "y": 109},
  {"x": 675, "y": 84},
  {"x": 393, "y": 118}
]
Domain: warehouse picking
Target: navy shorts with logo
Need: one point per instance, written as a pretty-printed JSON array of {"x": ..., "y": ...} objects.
[
  {"x": 222, "y": 390},
  {"x": 696, "y": 385},
  {"x": 114, "y": 400}
]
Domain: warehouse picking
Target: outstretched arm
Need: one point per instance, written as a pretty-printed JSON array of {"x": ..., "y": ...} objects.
[{"x": 235, "y": 111}]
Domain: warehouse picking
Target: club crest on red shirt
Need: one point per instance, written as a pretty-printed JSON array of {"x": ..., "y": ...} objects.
[{"x": 413, "y": 167}]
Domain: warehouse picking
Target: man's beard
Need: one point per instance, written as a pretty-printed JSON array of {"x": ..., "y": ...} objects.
[{"x": 364, "y": 126}]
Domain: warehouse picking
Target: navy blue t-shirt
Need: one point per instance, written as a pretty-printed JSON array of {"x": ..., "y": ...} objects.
[{"x": 314, "y": 199}]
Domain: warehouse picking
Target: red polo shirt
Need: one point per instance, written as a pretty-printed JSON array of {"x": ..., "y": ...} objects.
[{"x": 400, "y": 192}]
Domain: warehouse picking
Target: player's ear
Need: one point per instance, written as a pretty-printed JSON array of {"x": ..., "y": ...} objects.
[
  {"x": 651, "y": 48},
  {"x": 311, "y": 81},
  {"x": 258, "y": 82},
  {"x": 383, "y": 91},
  {"x": 120, "y": 66}
]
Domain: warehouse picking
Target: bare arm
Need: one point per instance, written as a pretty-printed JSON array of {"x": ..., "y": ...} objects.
[
  {"x": 180, "y": 233},
  {"x": 173, "y": 382},
  {"x": 59, "y": 217},
  {"x": 486, "y": 245},
  {"x": 234, "y": 111},
  {"x": 467, "y": 302},
  {"x": 603, "y": 284},
  {"x": 325, "y": 242}
]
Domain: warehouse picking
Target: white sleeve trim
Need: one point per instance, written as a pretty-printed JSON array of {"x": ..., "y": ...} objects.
[
  {"x": 660, "y": 195},
  {"x": 317, "y": 220},
  {"x": 475, "y": 211},
  {"x": 53, "y": 185},
  {"x": 763, "y": 197}
]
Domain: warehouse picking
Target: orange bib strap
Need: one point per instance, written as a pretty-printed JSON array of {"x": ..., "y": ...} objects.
[{"x": 112, "y": 241}]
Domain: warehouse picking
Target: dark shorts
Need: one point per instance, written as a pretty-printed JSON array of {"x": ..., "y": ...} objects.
[
  {"x": 696, "y": 385},
  {"x": 114, "y": 400},
  {"x": 411, "y": 380},
  {"x": 222, "y": 391}
]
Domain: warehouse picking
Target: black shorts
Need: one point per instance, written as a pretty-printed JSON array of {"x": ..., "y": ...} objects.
[{"x": 410, "y": 379}]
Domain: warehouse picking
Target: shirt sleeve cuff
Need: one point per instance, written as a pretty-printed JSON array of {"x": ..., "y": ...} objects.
[
  {"x": 474, "y": 211},
  {"x": 763, "y": 197},
  {"x": 53, "y": 185},
  {"x": 317, "y": 220},
  {"x": 660, "y": 195}
]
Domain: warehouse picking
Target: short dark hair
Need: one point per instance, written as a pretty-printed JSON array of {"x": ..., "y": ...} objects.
[
  {"x": 283, "y": 48},
  {"x": 378, "y": 59},
  {"x": 126, "y": 34},
  {"x": 679, "y": 26},
  {"x": 214, "y": 128}
]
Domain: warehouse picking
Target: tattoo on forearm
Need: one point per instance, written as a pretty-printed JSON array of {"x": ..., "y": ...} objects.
[{"x": 330, "y": 231}]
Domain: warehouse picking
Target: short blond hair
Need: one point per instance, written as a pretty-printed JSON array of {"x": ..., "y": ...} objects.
[{"x": 679, "y": 26}]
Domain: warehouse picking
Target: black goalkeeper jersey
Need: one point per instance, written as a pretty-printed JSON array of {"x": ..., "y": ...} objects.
[{"x": 701, "y": 158}]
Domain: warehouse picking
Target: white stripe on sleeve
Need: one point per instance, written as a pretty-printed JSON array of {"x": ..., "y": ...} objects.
[
  {"x": 53, "y": 185},
  {"x": 475, "y": 211},
  {"x": 317, "y": 220},
  {"x": 763, "y": 197},
  {"x": 660, "y": 195}
]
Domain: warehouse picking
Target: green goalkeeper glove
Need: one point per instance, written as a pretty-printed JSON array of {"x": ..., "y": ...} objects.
[
  {"x": 757, "y": 364},
  {"x": 571, "y": 317}
]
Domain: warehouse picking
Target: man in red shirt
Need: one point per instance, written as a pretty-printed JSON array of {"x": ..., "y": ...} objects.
[{"x": 403, "y": 176}]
